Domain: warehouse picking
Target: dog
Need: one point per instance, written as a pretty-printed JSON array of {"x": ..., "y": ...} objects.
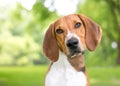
[{"x": 64, "y": 45}]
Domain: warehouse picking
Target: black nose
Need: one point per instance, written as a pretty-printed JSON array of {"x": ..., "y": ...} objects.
[{"x": 72, "y": 43}]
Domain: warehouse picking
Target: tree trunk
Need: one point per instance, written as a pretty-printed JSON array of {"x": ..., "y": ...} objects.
[{"x": 118, "y": 43}]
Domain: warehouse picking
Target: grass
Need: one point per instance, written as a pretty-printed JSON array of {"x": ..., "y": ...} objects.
[
  {"x": 34, "y": 76},
  {"x": 104, "y": 76},
  {"x": 22, "y": 76}
]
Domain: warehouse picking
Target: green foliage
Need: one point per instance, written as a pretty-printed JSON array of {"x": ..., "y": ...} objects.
[
  {"x": 22, "y": 33},
  {"x": 15, "y": 48},
  {"x": 15, "y": 14},
  {"x": 41, "y": 12}
]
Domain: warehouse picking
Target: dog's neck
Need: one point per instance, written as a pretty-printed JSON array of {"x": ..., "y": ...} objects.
[
  {"x": 78, "y": 62},
  {"x": 64, "y": 72}
]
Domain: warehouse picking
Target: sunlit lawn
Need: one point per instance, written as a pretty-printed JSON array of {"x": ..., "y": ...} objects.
[
  {"x": 22, "y": 76},
  {"x": 34, "y": 76}
]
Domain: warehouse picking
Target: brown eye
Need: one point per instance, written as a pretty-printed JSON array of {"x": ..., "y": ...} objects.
[
  {"x": 59, "y": 31},
  {"x": 77, "y": 25}
]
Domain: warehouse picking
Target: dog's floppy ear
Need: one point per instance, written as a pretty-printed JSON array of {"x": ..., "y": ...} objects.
[
  {"x": 50, "y": 47},
  {"x": 93, "y": 32}
]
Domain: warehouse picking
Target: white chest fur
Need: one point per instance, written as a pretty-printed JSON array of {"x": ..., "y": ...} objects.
[{"x": 62, "y": 73}]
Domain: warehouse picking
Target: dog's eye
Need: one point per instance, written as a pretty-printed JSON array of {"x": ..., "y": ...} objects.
[
  {"x": 77, "y": 25},
  {"x": 59, "y": 31}
]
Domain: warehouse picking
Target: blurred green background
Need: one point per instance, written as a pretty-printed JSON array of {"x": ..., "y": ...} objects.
[{"x": 22, "y": 27}]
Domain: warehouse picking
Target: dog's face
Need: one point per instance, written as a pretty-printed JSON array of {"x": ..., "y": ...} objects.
[{"x": 71, "y": 34}]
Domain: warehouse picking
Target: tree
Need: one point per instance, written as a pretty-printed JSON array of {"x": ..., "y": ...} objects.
[
  {"x": 21, "y": 33},
  {"x": 114, "y": 6}
]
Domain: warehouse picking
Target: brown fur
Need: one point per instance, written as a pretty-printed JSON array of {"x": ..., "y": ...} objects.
[{"x": 89, "y": 33}]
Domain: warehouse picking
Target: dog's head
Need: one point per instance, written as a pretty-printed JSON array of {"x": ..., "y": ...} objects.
[{"x": 71, "y": 34}]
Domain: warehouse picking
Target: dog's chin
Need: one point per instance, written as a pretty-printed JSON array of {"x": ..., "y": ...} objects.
[{"x": 75, "y": 54}]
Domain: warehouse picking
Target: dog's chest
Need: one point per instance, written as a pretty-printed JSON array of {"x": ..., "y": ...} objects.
[{"x": 63, "y": 74}]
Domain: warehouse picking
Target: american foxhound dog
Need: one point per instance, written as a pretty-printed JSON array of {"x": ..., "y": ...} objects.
[{"x": 64, "y": 45}]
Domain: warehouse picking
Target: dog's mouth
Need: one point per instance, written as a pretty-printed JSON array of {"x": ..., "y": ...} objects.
[{"x": 75, "y": 53}]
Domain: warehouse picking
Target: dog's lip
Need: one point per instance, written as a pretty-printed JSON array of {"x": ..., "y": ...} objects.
[{"x": 76, "y": 53}]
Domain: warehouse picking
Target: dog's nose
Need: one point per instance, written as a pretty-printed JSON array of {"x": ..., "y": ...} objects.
[{"x": 72, "y": 43}]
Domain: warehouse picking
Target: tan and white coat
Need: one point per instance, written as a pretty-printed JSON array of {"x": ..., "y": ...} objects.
[{"x": 69, "y": 69}]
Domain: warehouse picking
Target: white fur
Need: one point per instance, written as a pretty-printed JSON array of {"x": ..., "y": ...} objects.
[{"x": 62, "y": 73}]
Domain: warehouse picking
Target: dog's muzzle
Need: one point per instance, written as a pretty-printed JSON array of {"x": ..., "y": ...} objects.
[{"x": 74, "y": 47}]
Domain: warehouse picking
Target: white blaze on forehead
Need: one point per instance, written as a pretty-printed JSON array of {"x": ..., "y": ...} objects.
[{"x": 70, "y": 35}]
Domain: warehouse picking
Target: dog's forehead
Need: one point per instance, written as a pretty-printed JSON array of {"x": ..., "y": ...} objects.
[{"x": 67, "y": 20}]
